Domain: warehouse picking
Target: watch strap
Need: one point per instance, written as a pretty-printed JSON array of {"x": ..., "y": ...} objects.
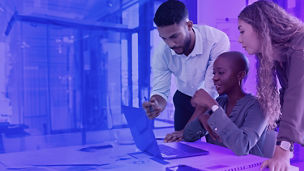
[{"x": 286, "y": 145}]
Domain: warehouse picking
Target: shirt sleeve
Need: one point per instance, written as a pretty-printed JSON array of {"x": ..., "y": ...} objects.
[
  {"x": 292, "y": 121},
  {"x": 194, "y": 130},
  {"x": 161, "y": 75},
  {"x": 239, "y": 139},
  {"x": 223, "y": 45}
]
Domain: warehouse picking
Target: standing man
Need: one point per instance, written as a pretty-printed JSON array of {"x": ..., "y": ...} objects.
[{"x": 189, "y": 54}]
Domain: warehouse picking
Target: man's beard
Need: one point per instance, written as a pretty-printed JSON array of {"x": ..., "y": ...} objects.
[{"x": 187, "y": 44}]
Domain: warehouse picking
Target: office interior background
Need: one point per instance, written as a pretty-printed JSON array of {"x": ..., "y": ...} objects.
[{"x": 70, "y": 69}]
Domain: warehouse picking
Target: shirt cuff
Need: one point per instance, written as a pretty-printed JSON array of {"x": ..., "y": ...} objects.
[
  {"x": 217, "y": 121},
  {"x": 162, "y": 95}
]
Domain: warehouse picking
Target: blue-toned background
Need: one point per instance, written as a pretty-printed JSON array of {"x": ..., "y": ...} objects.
[{"x": 69, "y": 69}]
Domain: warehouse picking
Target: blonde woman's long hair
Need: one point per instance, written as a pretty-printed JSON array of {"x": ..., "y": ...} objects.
[{"x": 275, "y": 28}]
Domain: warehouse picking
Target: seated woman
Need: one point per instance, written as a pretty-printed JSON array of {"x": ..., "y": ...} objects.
[{"x": 236, "y": 119}]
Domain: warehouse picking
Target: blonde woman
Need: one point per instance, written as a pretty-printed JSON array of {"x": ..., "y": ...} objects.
[{"x": 277, "y": 40}]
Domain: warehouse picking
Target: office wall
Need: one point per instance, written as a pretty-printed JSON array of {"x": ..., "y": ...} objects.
[{"x": 223, "y": 15}]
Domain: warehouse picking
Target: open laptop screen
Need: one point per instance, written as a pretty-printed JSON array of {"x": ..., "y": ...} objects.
[{"x": 142, "y": 130}]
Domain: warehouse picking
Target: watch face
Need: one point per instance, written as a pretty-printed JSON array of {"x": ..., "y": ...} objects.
[
  {"x": 285, "y": 145},
  {"x": 214, "y": 108}
]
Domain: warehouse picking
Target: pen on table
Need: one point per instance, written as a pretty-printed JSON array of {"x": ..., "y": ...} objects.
[{"x": 94, "y": 148}]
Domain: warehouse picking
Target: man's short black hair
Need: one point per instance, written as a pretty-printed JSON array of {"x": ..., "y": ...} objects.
[{"x": 170, "y": 12}]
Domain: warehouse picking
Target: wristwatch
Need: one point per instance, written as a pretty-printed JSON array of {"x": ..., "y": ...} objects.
[
  {"x": 285, "y": 145},
  {"x": 214, "y": 108}
]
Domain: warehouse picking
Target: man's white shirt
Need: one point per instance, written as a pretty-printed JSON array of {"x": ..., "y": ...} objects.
[{"x": 192, "y": 72}]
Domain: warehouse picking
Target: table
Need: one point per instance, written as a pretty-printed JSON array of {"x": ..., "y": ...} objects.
[{"x": 115, "y": 157}]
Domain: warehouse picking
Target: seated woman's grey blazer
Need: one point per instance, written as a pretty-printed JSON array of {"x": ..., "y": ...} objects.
[{"x": 244, "y": 131}]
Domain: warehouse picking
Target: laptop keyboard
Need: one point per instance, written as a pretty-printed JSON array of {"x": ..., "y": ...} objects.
[{"x": 167, "y": 150}]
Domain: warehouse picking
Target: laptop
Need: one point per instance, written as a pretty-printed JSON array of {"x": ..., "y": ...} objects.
[{"x": 142, "y": 131}]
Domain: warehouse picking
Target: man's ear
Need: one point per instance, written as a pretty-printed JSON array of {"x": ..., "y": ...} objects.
[{"x": 189, "y": 24}]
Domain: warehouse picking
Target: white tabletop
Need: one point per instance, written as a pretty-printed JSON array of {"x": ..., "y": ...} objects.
[{"x": 117, "y": 158}]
